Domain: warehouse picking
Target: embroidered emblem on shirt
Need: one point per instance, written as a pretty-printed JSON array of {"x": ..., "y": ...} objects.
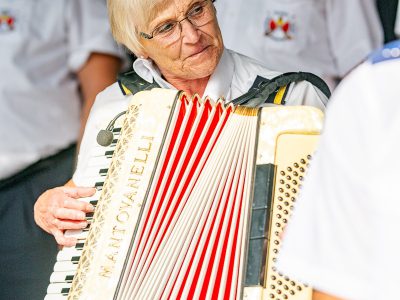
[
  {"x": 7, "y": 21},
  {"x": 279, "y": 26}
]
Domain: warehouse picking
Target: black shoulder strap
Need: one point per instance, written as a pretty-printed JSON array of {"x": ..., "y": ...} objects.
[
  {"x": 274, "y": 90},
  {"x": 262, "y": 91},
  {"x": 131, "y": 83}
]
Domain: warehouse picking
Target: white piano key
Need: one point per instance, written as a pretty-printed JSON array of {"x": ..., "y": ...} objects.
[
  {"x": 101, "y": 151},
  {"x": 64, "y": 266},
  {"x": 62, "y": 276},
  {"x": 58, "y": 288},
  {"x": 91, "y": 182},
  {"x": 96, "y": 171},
  {"x": 67, "y": 254},
  {"x": 77, "y": 247},
  {"x": 79, "y": 234},
  {"x": 100, "y": 162},
  {"x": 55, "y": 297}
]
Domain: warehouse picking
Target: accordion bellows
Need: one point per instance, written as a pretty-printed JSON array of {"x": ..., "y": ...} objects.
[{"x": 195, "y": 200}]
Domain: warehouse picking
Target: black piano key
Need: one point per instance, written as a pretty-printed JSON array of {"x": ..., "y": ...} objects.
[
  {"x": 103, "y": 172},
  {"x": 109, "y": 153},
  {"x": 94, "y": 202},
  {"x": 89, "y": 216},
  {"x": 99, "y": 185},
  {"x": 69, "y": 278},
  {"x": 117, "y": 129},
  {"x": 79, "y": 246},
  {"x": 75, "y": 259},
  {"x": 65, "y": 291}
]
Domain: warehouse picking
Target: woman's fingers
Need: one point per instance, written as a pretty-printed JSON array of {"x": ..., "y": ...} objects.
[
  {"x": 68, "y": 214},
  {"x": 59, "y": 209},
  {"x": 68, "y": 224},
  {"x": 62, "y": 239},
  {"x": 79, "y": 192},
  {"x": 74, "y": 204}
]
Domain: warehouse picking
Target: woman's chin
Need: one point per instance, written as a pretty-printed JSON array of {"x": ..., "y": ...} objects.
[{"x": 201, "y": 65}]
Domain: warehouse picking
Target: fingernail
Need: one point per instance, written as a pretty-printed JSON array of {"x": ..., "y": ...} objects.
[
  {"x": 90, "y": 207},
  {"x": 84, "y": 225}
]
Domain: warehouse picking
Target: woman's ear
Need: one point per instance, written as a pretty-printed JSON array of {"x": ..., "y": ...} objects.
[{"x": 143, "y": 55}]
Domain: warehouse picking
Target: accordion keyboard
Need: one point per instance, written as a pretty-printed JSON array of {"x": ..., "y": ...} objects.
[{"x": 68, "y": 258}]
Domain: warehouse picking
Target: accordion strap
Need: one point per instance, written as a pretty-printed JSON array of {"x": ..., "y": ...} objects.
[
  {"x": 274, "y": 90},
  {"x": 262, "y": 91},
  {"x": 132, "y": 83}
]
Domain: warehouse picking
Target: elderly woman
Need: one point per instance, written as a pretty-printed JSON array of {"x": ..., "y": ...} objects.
[{"x": 179, "y": 46}]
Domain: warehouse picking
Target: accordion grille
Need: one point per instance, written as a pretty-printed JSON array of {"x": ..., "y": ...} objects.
[
  {"x": 108, "y": 191},
  {"x": 291, "y": 168}
]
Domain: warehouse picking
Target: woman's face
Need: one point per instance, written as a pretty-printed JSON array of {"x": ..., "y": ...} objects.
[{"x": 194, "y": 53}]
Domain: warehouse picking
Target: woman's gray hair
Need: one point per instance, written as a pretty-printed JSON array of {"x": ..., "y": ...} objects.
[{"x": 127, "y": 16}]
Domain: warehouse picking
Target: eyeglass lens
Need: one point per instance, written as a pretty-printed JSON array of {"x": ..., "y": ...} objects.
[{"x": 199, "y": 15}]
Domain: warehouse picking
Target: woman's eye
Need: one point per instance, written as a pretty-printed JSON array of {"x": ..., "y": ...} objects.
[
  {"x": 197, "y": 10},
  {"x": 166, "y": 28}
]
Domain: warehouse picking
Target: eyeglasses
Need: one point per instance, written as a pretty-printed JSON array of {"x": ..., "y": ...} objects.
[{"x": 169, "y": 32}]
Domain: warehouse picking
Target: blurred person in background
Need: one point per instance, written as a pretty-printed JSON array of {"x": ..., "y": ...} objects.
[
  {"x": 343, "y": 239},
  {"x": 387, "y": 12},
  {"x": 55, "y": 57},
  {"x": 397, "y": 23},
  {"x": 327, "y": 38}
]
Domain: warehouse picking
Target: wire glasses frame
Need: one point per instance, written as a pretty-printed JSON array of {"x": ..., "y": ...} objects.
[{"x": 199, "y": 15}]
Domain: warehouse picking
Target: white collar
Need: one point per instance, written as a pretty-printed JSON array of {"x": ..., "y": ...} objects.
[
  {"x": 149, "y": 71},
  {"x": 219, "y": 84}
]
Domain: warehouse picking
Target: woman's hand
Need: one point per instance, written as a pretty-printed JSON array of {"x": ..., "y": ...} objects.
[{"x": 58, "y": 209}]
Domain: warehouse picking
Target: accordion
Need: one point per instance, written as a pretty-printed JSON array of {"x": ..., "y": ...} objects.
[{"x": 193, "y": 203}]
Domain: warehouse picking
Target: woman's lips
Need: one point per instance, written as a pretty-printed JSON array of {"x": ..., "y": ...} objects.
[{"x": 193, "y": 55}]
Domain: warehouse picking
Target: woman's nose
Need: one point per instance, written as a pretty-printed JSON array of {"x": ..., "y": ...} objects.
[{"x": 190, "y": 33}]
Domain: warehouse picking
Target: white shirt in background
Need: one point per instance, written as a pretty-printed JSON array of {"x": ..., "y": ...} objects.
[
  {"x": 327, "y": 38},
  {"x": 42, "y": 45},
  {"x": 344, "y": 236}
]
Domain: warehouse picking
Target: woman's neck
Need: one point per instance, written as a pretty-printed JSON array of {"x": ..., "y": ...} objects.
[{"x": 190, "y": 86}]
